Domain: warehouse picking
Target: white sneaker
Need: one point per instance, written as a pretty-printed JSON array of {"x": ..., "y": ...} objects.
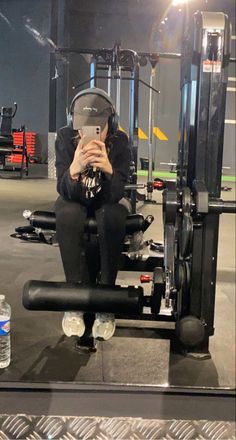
[
  {"x": 73, "y": 324},
  {"x": 104, "y": 326}
]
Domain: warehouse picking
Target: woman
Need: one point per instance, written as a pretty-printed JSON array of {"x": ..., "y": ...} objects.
[{"x": 90, "y": 180}]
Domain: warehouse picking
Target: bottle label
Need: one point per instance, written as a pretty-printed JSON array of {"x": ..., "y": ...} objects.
[{"x": 4, "y": 328}]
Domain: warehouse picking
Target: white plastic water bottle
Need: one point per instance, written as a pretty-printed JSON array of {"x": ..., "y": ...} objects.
[{"x": 5, "y": 344}]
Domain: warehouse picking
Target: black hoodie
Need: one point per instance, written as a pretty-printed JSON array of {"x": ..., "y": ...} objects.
[{"x": 112, "y": 185}]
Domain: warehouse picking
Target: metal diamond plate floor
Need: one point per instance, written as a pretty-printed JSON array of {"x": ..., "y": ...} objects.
[{"x": 70, "y": 428}]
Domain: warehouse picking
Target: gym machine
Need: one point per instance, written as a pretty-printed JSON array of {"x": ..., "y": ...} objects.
[
  {"x": 7, "y": 146},
  {"x": 111, "y": 65},
  {"x": 184, "y": 276}
]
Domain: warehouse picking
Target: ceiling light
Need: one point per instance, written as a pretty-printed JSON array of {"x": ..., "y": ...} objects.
[{"x": 179, "y": 2}]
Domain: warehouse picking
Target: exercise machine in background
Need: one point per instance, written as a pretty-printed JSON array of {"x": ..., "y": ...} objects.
[
  {"x": 12, "y": 141},
  {"x": 184, "y": 276},
  {"x": 115, "y": 66}
]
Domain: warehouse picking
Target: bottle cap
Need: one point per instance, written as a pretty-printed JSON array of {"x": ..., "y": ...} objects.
[{"x": 2, "y": 297}]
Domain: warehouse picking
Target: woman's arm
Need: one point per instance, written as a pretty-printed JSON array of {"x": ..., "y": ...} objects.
[
  {"x": 67, "y": 187},
  {"x": 120, "y": 161},
  {"x": 71, "y": 189}
]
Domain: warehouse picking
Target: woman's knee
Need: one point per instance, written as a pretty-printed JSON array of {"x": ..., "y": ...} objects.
[
  {"x": 113, "y": 216},
  {"x": 69, "y": 212}
]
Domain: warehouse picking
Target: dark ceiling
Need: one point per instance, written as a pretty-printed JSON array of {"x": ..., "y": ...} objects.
[
  {"x": 135, "y": 23},
  {"x": 137, "y": 7}
]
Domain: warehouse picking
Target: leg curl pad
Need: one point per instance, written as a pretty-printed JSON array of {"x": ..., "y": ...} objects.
[{"x": 58, "y": 296}]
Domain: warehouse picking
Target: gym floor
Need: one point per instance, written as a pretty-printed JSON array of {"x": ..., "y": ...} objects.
[{"x": 139, "y": 352}]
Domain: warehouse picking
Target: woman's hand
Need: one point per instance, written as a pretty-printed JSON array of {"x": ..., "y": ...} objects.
[
  {"x": 93, "y": 154},
  {"x": 99, "y": 158},
  {"x": 82, "y": 157}
]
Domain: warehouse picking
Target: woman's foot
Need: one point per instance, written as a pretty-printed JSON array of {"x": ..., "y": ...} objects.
[
  {"x": 73, "y": 324},
  {"x": 104, "y": 326}
]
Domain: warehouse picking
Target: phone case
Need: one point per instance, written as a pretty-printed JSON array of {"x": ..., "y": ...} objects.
[{"x": 91, "y": 133}]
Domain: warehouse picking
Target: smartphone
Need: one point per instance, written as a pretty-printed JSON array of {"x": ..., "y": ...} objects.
[{"x": 91, "y": 133}]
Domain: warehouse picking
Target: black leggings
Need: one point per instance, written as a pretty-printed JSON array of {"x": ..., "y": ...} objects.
[{"x": 74, "y": 247}]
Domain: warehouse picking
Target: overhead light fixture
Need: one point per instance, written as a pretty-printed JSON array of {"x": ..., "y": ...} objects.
[{"x": 179, "y": 2}]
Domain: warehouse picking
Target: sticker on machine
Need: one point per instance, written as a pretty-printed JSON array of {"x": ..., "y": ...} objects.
[{"x": 211, "y": 66}]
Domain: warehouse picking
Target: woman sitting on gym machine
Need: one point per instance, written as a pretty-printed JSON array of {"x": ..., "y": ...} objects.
[{"x": 92, "y": 163}]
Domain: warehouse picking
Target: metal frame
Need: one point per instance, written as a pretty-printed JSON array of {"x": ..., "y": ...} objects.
[
  {"x": 204, "y": 150},
  {"x": 116, "y": 61},
  {"x": 99, "y": 399}
]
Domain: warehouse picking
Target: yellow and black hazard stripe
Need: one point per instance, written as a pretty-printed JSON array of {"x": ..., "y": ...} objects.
[{"x": 156, "y": 131}]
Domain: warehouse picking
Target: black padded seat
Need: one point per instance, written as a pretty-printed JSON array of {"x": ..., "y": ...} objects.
[{"x": 6, "y": 144}]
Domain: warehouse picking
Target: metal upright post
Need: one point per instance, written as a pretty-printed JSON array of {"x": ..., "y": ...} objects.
[
  {"x": 109, "y": 81},
  {"x": 153, "y": 61},
  {"x": 204, "y": 81},
  {"x": 53, "y": 83},
  {"x": 62, "y": 67},
  {"x": 150, "y": 128},
  {"x": 93, "y": 73},
  {"x": 118, "y": 91},
  {"x": 133, "y": 126}
]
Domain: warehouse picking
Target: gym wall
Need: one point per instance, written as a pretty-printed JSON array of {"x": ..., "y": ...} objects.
[{"x": 25, "y": 64}]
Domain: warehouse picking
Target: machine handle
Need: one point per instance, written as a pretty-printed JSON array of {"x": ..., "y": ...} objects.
[{"x": 220, "y": 206}]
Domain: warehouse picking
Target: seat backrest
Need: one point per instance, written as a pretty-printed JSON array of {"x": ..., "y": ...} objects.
[
  {"x": 6, "y": 138},
  {"x": 6, "y": 121}
]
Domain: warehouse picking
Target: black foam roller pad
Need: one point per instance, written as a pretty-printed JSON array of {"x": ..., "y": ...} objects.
[
  {"x": 58, "y": 296},
  {"x": 43, "y": 219},
  {"x": 47, "y": 220}
]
